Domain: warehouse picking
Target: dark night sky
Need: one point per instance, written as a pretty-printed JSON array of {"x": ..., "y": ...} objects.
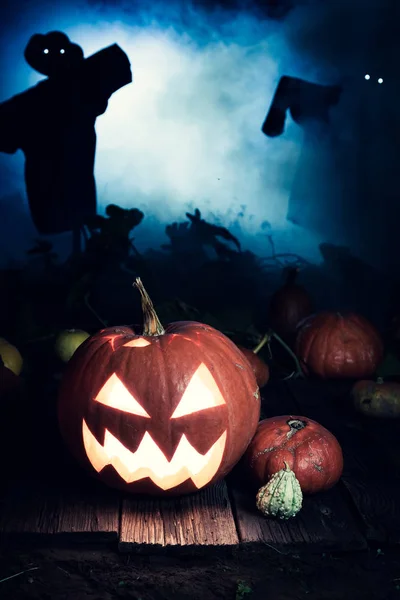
[{"x": 187, "y": 133}]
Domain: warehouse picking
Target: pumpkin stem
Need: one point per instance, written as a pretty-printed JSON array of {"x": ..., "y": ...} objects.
[
  {"x": 295, "y": 426},
  {"x": 152, "y": 325},
  {"x": 262, "y": 343},
  {"x": 299, "y": 370}
]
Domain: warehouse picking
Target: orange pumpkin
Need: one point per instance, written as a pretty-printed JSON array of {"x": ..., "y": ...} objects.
[
  {"x": 289, "y": 305},
  {"x": 168, "y": 411},
  {"x": 335, "y": 345},
  {"x": 311, "y": 451},
  {"x": 259, "y": 366}
]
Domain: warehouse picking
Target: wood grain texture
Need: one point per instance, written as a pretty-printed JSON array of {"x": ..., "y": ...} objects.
[
  {"x": 329, "y": 403},
  {"x": 379, "y": 507},
  {"x": 45, "y": 493},
  {"x": 56, "y": 503},
  {"x": 323, "y": 524},
  {"x": 325, "y": 520},
  {"x": 204, "y": 519},
  {"x": 371, "y": 466},
  {"x": 34, "y": 509}
]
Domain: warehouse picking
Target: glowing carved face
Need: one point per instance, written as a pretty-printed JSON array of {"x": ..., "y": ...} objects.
[{"x": 148, "y": 460}]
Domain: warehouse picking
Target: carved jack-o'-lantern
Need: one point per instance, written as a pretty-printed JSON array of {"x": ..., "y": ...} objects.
[{"x": 166, "y": 412}]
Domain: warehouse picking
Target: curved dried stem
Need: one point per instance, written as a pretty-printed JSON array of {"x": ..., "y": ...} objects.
[
  {"x": 152, "y": 324},
  {"x": 266, "y": 338},
  {"x": 299, "y": 370}
]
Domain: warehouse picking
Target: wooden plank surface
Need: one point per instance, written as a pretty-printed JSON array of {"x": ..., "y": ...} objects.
[
  {"x": 324, "y": 523},
  {"x": 202, "y": 520},
  {"x": 33, "y": 509},
  {"x": 325, "y": 520},
  {"x": 371, "y": 466},
  {"x": 62, "y": 501},
  {"x": 44, "y": 493},
  {"x": 379, "y": 507}
]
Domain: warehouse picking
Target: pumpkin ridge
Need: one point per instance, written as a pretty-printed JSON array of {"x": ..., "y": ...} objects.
[
  {"x": 354, "y": 326},
  {"x": 330, "y": 342},
  {"x": 277, "y": 482},
  {"x": 274, "y": 448},
  {"x": 311, "y": 347},
  {"x": 282, "y": 496}
]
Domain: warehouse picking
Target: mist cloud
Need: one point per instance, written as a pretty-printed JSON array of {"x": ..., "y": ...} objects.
[{"x": 186, "y": 133}]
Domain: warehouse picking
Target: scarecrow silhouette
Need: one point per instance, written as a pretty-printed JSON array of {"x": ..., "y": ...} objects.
[
  {"x": 310, "y": 105},
  {"x": 306, "y": 102},
  {"x": 53, "y": 123}
]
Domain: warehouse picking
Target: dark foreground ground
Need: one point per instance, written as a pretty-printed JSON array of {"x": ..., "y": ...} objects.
[{"x": 61, "y": 574}]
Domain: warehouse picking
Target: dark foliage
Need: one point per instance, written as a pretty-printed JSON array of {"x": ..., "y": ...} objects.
[{"x": 202, "y": 274}]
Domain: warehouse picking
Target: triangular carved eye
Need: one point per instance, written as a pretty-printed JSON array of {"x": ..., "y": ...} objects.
[
  {"x": 115, "y": 395},
  {"x": 201, "y": 393}
]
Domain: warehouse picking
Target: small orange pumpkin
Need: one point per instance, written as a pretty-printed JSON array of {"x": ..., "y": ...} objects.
[
  {"x": 289, "y": 305},
  {"x": 259, "y": 366},
  {"x": 311, "y": 451},
  {"x": 335, "y": 345}
]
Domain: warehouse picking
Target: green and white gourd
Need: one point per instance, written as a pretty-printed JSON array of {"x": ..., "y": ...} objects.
[{"x": 281, "y": 497}]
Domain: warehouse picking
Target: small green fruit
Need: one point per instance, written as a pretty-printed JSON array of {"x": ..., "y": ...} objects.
[
  {"x": 10, "y": 357},
  {"x": 68, "y": 341}
]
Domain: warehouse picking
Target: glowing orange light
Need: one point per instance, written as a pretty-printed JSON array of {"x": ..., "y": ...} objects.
[
  {"x": 115, "y": 395},
  {"x": 201, "y": 393},
  {"x": 138, "y": 343},
  {"x": 149, "y": 461}
]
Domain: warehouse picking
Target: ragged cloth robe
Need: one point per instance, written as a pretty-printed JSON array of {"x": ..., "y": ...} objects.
[
  {"x": 347, "y": 181},
  {"x": 53, "y": 124}
]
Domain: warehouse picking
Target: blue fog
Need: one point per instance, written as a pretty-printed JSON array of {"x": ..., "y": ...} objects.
[{"x": 187, "y": 132}]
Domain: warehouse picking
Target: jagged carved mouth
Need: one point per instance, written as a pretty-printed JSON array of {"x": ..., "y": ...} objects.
[{"x": 149, "y": 460}]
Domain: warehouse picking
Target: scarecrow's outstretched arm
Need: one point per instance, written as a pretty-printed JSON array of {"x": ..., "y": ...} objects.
[{"x": 305, "y": 100}]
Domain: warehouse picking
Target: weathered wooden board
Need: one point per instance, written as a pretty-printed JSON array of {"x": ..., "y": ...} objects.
[
  {"x": 60, "y": 503},
  {"x": 323, "y": 524},
  {"x": 33, "y": 509},
  {"x": 325, "y": 520},
  {"x": 379, "y": 507},
  {"x": 370, "y": 474},
  {"x": 45, "y": 494},
  {"x": 385, "y": 434},
  {"x": 329, "y": 404},
  {"x": 202, "y": 520}
]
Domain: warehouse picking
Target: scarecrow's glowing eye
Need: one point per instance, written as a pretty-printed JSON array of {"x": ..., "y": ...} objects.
[{"x": 367, "y": 76}]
